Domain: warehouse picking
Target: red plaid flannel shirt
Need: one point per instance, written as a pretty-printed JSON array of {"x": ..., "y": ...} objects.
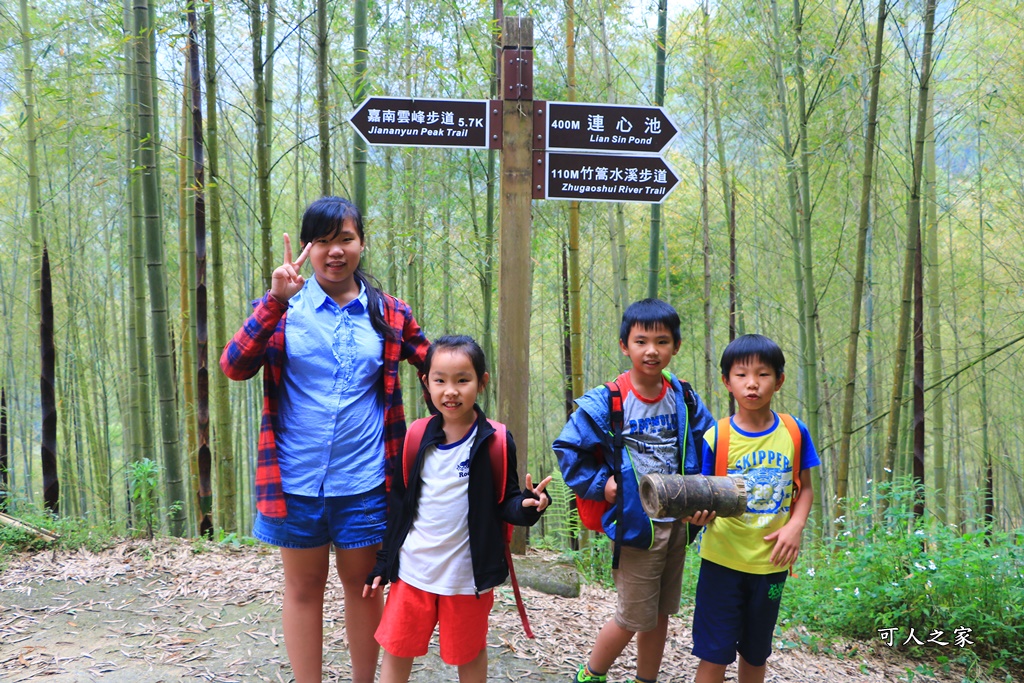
[{"x": 260, "y": 344}]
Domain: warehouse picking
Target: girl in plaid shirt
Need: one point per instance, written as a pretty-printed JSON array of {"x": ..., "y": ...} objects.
[{"x": 332, "y": 426}]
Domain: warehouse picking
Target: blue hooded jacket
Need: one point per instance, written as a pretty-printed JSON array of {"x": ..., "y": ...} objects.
[{"x": 589, "y": 429}]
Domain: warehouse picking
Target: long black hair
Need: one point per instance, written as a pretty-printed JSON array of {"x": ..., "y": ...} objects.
[{"x": 325, "y": 217}]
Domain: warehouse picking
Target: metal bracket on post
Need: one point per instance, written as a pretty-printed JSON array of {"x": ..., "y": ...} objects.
[
  {"x": 517, "y": 60},
  {"x": 497, "y": 121},
  {"x": 540, "y": 175},
  {"x": 540, "y": 122},
  {"x": 517, "y": 67}
]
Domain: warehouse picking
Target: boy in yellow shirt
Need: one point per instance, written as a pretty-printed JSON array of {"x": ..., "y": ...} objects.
[{"x": 744, "y": 560}]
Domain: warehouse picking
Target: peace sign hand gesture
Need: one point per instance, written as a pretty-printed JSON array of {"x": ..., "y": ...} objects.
[
  {"x": 286, "y": 281},
  {"x": 539, "y": 499}
]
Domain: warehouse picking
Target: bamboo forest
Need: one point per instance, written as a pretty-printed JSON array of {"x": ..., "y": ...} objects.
[{"x": 850, "y": 184}]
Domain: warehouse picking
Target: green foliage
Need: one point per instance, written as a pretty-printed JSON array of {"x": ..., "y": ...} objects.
[
  {"x": 73, "y": 533},
  {"x": 902, "y": 573},
  {"x": 594, "y": 560},
  {"x": 144, "y": 476}
]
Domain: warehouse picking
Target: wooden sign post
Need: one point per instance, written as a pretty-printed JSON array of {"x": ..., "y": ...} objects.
[{"x": 514, "y": 262}]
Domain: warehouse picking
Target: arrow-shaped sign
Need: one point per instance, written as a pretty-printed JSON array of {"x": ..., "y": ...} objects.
[
  {"x": 425, "y": 123},
  {"x": 604, "y": 177},
  {"x": 613, "y": 128}
]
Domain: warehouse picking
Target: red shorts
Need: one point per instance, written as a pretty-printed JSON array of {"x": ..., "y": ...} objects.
[{"x": 411, "y": 614}]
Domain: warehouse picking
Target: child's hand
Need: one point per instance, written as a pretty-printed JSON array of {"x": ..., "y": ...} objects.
[
  {"x": 787, "y": 544},
  {"x": 541, "y": 501},
  {"x": 285, "y": 282},
  {"x": 370, "y": 589},
  {"x": 700, "y": 518},
  {"x": 610, "y": 489}
]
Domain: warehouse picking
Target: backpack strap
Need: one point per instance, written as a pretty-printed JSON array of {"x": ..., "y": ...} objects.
[
  {"x": 411, "y": 447},
  {"x": 794, "y": 433},
  {"x": 616, "y": 422},
  {"x": 722, "y": 431},
  {"x": 497, "y": 450}
]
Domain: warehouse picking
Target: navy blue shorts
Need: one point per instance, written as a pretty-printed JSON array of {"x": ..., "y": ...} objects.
[
  {"x": 735, "y": 612},
  {"x": 349, "y": 521}
]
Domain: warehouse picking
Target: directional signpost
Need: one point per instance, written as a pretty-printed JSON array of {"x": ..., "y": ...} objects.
[
  {"x": 628, "y": 140},
  {"x": 607, "y": 177},
  {"x": 425, "y": 123},
  {"x": 612, "y": 128}
]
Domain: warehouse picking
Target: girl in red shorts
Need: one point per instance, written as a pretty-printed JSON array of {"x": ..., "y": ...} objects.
[{"x": 444, "y": 546}]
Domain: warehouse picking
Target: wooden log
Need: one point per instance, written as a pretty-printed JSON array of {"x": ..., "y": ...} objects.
[
  {"x": 677, "y": 495},
  {"x": 30, "y": 528}
]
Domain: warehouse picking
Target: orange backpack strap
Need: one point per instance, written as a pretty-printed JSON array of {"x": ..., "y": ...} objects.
[
  {"x": 794, "y": 433},
  {"x": 722, "y": 447},
  {"x": 411, "y": 447}
]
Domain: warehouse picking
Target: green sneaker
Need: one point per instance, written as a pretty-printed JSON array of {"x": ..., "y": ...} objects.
[{"x": 582, "y": 676}]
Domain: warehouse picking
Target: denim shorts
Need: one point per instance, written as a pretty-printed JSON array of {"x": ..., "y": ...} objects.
[{"x": 349, "y": 521}]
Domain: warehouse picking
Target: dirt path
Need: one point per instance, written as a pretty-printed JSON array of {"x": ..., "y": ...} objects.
[{"x": 174, "y": 611}]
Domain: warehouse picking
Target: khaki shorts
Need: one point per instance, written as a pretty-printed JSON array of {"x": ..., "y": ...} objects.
[{"x": 649, "y": 583}]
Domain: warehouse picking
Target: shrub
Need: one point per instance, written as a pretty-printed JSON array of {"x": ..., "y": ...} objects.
[{"x": 903, "y": 573}]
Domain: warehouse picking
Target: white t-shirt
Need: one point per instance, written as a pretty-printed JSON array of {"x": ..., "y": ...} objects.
[{"x": 435, "y": 556}]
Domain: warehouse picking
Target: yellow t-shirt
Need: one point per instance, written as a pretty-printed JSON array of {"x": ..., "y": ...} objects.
[{"x": 765, "y": 460}]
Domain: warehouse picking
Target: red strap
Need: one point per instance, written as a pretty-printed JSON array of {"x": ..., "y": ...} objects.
[
  {"x": 515, "y": 589},
  {"x": 411, "y": 448},
  {"x": 794, "y": 433},
  {"x": 498, "y": 451}
]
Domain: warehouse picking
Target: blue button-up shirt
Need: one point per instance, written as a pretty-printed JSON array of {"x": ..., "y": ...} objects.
[{"x": 330, "y": 433}]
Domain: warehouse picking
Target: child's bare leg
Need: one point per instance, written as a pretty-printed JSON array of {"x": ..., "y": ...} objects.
[
  {"x": 474, "y": 671},
  {"x": 395, "y": 669},
  {"x": 302, "y": 614},
  {"x": 611, "y": 641},
  {"x": 709, "y": 673},
  {"x": 362, "y": 615},
  {"x": 650, "y": 648},
  {"x": 748, "y": 673}
]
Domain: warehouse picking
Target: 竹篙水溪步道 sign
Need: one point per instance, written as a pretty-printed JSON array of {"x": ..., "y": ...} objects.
[
  {"x": 422, "y": 122},
  {"x": 603, "y": 177},
  {"x": 612, "y": 128}
]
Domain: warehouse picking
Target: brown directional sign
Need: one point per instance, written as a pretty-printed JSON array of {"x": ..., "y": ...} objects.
[
  {"x": 425, "y": 123},
  {"x": 602, "y": 177},
  {"x": 614, "y": 128}
]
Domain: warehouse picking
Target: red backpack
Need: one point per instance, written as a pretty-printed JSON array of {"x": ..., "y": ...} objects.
[
  {"x": 591, "y": 511},
  {"x": 497, "y": 450}
]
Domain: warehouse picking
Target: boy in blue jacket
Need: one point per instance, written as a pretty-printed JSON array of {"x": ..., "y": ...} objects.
[{"x": 663, "y": 425}]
